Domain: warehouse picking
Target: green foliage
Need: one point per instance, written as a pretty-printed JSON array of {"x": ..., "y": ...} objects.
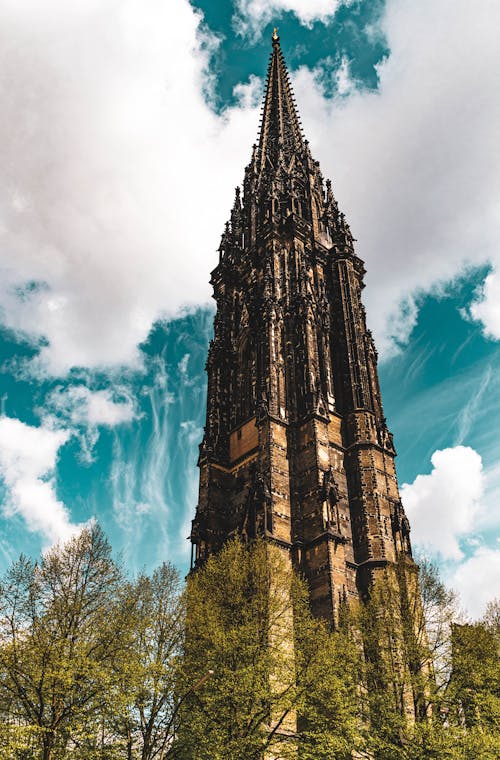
[
  {"x": 88, "y": 661},
  {"x": 329, "y": 713},
  {"x": 60, "y": 624},
  {"x": 475, "y": 680},
  {"x": 249, "y": 621},
  {"x": 143, "y": 708},
  {"x": 95, "y": 667},
  {"x": 429, "y": 686}
]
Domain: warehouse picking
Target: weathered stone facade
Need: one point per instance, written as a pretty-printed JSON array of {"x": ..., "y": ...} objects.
[{"x": 296, "y": 446}]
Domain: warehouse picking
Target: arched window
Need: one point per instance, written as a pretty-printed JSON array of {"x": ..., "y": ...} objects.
[{"x": 246, "y": 376}]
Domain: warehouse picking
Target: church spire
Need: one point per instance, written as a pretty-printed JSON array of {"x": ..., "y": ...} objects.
[
  {"x": 280, "y": 134},
  {"x": 296, "y": 446}
]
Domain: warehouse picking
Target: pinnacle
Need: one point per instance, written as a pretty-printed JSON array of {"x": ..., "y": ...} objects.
[{"x": 280, "y": 133}]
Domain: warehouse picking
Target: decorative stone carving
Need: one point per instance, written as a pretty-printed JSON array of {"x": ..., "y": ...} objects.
[{"x": 292, "y": 373}]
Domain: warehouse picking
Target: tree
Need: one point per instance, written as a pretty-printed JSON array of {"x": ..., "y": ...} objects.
[
  {"x": 249, "y": 621},
  {"x": 330, "y": 725},
  {"x": 63, "y": 625},
  {"x": 93, "y": 667},
  {"x": 385, "y": 682},
  {"x": 143, "y": 710},
  {"x": 475, "y": 679},
  {"x": 429, "y": 685}
]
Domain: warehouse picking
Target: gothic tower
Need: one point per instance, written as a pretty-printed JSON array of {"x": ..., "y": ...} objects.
[{"x": 296, "y": 446}]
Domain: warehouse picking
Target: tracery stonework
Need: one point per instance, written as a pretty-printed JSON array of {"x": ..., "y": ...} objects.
[{"x": 296, "y": 446}]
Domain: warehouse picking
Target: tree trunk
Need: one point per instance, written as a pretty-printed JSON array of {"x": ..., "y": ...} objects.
[
  {"x": 129, "y": 744},
  {"x": 48, "y": 746},
  {"x": 146, "y": 744}
]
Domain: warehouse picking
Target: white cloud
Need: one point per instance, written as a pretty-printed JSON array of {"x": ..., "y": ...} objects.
[
  {"x": 108, "y": 151},
  {"x": 486, "y": 307},
  {"x": 443, "y": 506},
  {"x": 477, "y": 580},
  {"x": 249, "y": 94},
  {"x": 253, "y": 15},
  {"x": 28, "y": 457},
  {"x": 81, "y": 406},
  {"x": 344, "y": 81},
  {"x": 411, "y": 162},
  {"x": 85, "y": 411},
  {"x": 447, "y": 508}
]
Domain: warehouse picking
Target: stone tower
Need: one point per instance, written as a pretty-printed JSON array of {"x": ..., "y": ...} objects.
[{"x": 296, "y": 446}]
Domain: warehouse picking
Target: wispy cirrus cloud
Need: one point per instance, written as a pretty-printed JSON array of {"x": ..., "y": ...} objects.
[
  {"x": 153, "y": 477},
  {"x": 469, "y": 412}
]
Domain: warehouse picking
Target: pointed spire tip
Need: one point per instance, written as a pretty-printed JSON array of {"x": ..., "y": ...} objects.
[{"x": 276, "y": 39}]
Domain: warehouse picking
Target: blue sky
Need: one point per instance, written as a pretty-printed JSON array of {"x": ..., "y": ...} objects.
[{"x": 126, "y": 128}]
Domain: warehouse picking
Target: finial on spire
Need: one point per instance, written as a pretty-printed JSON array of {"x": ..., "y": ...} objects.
[{"x": 276, "y": 39}]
